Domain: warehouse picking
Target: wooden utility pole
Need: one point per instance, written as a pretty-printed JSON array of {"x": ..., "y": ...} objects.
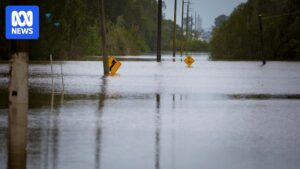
[
  {"x": 261, "y": 38},
  {"x": 104, "y": 47},
  {"x": 18, "y": 85},
  {"x": 18, "y": 105},
  {"x": 159, "y": 18},
  {"x": 195, "y": 21},
  {"x": 182, "y": 36},
  {"x": 18, "y": 101},
  {"x": 174, "y": 28},
  {"x": 187, "y": 20}
]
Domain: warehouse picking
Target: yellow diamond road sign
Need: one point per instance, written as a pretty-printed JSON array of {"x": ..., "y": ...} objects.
[
  {"x": 114, "y": 65},
  {"x": 189, "y": 60}
]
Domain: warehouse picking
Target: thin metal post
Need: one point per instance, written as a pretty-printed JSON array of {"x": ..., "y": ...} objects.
[{"x": 195, "y": 21}]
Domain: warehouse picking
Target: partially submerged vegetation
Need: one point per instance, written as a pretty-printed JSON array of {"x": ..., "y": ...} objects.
[
  {"x": 71, "y": 29},
  {"x": 238, "y": 37}
]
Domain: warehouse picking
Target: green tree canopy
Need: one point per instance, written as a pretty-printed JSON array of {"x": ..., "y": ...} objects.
[{"x": 238, "y": 37}]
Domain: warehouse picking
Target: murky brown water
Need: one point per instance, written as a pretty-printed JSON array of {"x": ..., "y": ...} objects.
[{"x": 228, "y": 115}]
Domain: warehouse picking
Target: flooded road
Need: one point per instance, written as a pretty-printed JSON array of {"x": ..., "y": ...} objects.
[{"x": 228, "y": 115}]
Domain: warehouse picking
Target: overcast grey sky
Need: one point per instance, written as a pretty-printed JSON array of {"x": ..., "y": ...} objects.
[{"x": 207, "y": 9}]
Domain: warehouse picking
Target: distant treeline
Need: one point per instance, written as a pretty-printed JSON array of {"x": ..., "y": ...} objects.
[
  {"x": 70, "y": 29},
  {"x": 238, "y": 37}
]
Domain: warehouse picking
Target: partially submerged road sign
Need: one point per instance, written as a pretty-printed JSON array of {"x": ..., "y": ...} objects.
[
  {"x": 189, "y": 60},
  {"x": 114, "y": 65}
]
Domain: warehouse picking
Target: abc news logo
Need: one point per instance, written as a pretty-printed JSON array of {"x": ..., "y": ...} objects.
[
  {"x": 27, "y": 21},
  {"x": 22, "y": 22},
  {"x": 16, "y": 18}
]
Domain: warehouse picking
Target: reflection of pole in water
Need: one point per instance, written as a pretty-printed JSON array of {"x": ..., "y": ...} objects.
[
  {"x": 99, "y": 124},
  {"x": 98, "y": 146},
  {"x": 52, "y": 84},
  {"x": 62, "y": 84},
  {"x": 102, "y": 94},
  {"x": 51, "y": 137},
  {"x": 55, "y": 138},
  {"x": 46, "y": 150},
  {"x": 157, "y": 133},
  {"x": 173, "y": 132},
  {"x": 46, "y": 153},
  {"x": 18, "y": 110},
  {"x": 17, "y": 136},
  {"x": 173, "y": 101}
]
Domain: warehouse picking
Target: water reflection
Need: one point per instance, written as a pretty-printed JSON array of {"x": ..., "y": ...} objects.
[
  {"x": 55, "y": 138},
  {"x": 52, "y": 129},
  {"x": 125, "y": 124},
  {"x": 52, "y": 84},
  {"x": 17, "y": 135},
  {"x": 102, "y": 98},
  {"x": 264, "y": 96},
  {"x": 62, "y": 83},
  {"x": 50, "y": 139},
  {"x": 173, "y": 132},
  {"x": 53, "y": 87},
  {"x": 157, "y": 132}
]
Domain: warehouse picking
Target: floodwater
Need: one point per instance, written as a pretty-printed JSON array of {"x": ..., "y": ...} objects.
[{"x": 229, "y": 115}]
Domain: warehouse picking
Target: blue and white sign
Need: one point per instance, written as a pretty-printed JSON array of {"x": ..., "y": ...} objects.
[{"x": 22, "y": 22}]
